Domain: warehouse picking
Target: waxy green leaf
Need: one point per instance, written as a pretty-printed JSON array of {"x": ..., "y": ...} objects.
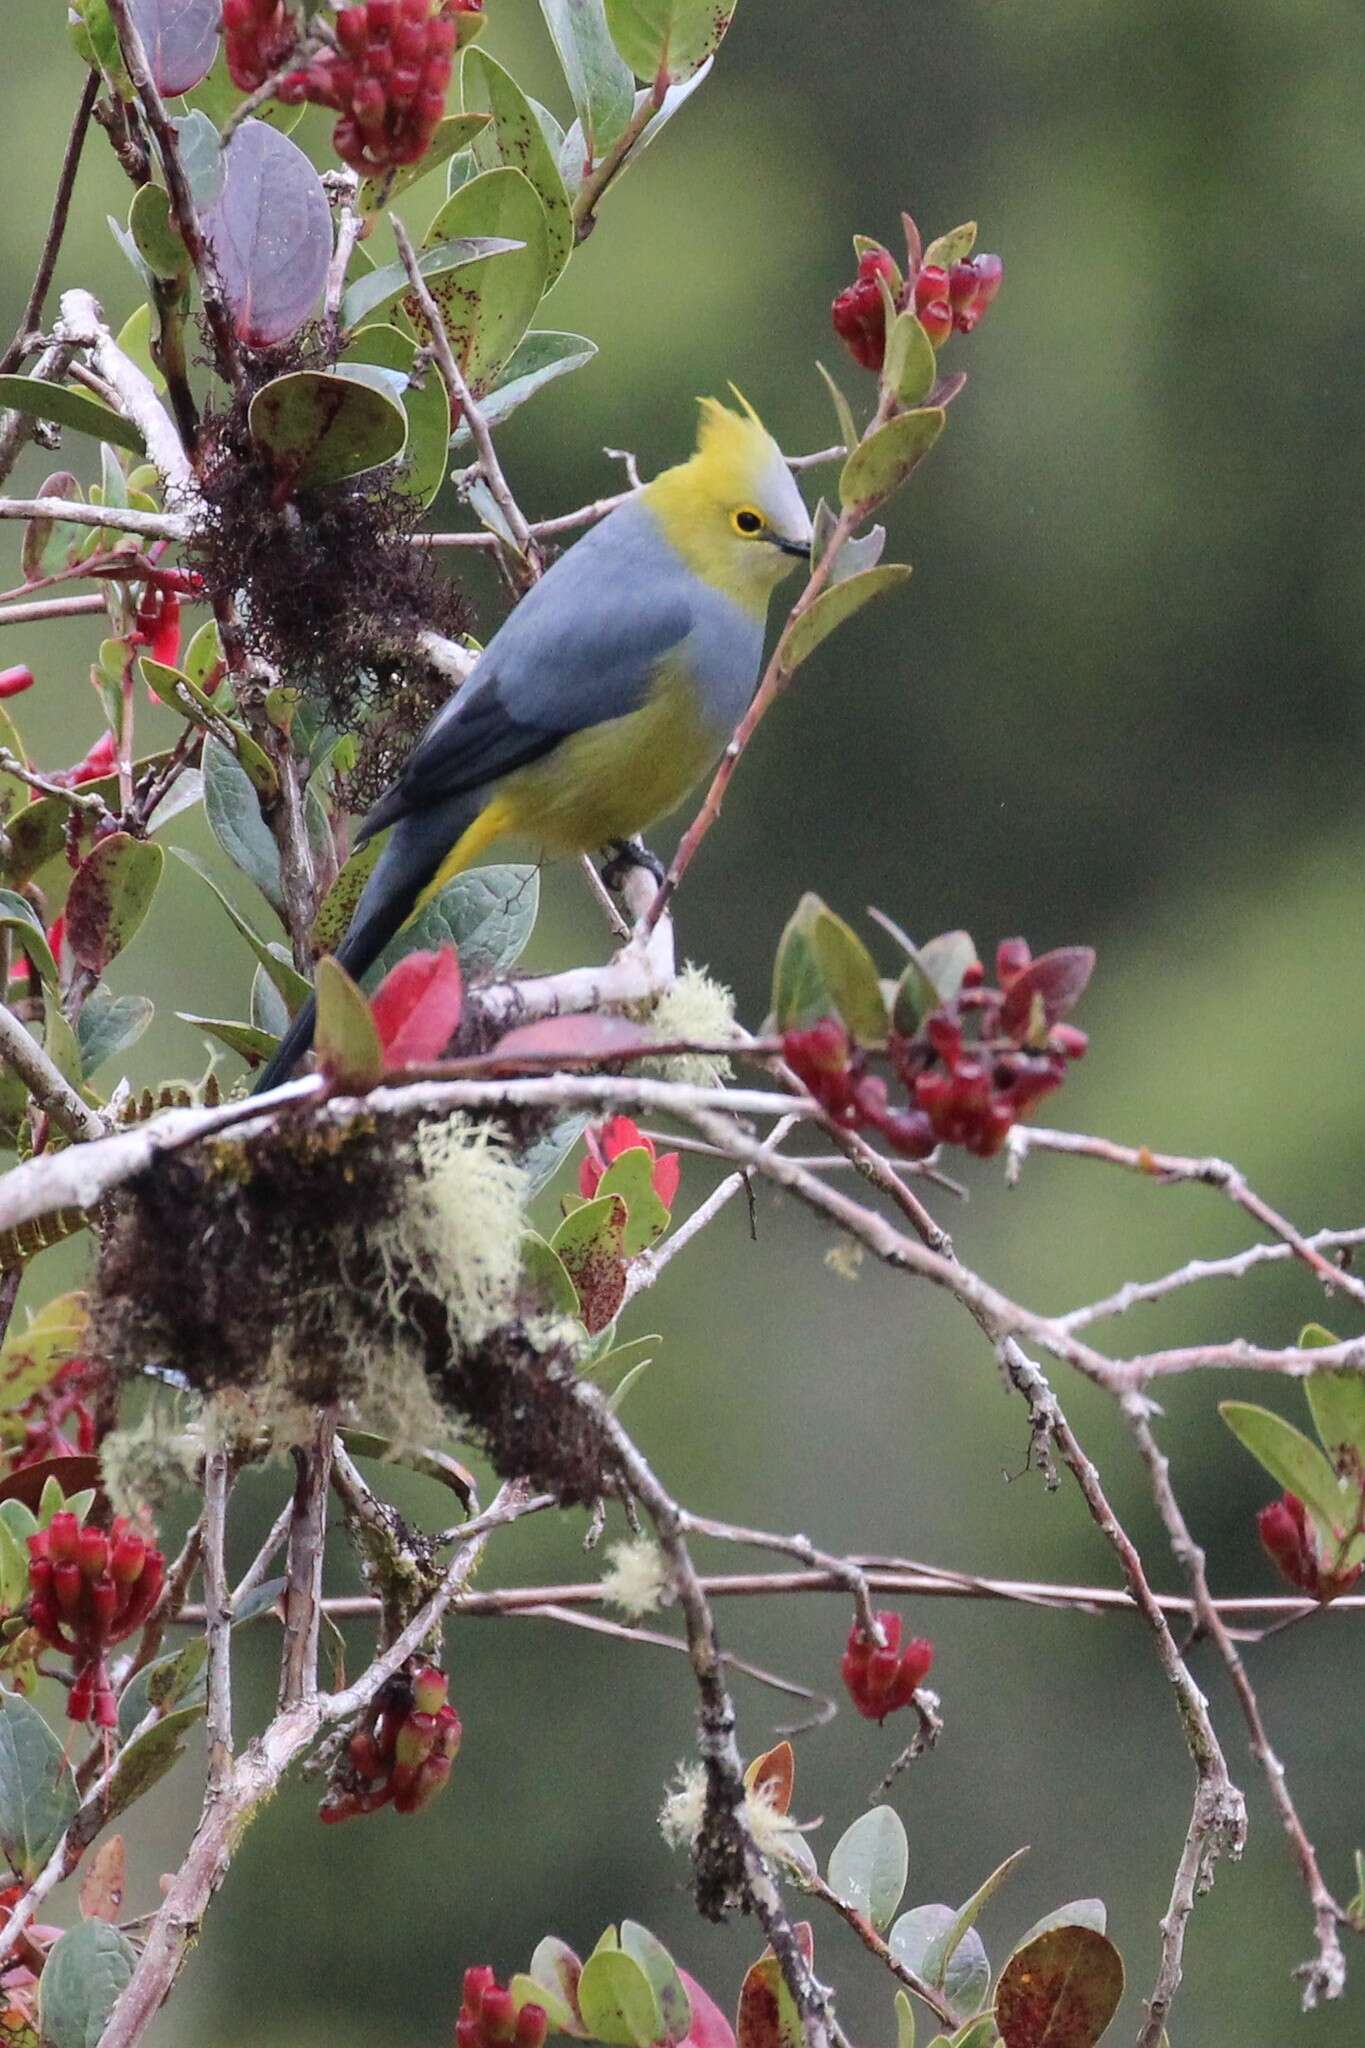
[
  {"x": 514, "y": 137},
  {"x": 346, "y": 1039},
  {"x": 599, "y": 80},
  {"x": 111, "y": 892},
  {"x": 668, "y": 39},
  {"x": 1294, "y": 1462},
  {"x": 487, "y": 306},
  {"x": 880, "y": 464},
  {"x": 869, "y": 1864},
  {"x": 39, "y": 400},
  {"x": 320, "y": 426},
  {"x": 537, "y": 359},
  {"x": 835, "y": 604},
  {"x": 84, "y": 1976},
  {"x": 38, "y": 1793},
  {"x": 423, "y": 468}
]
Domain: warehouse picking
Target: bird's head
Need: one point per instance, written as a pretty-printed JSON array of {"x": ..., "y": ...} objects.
[{"x": 733, "y": 510}]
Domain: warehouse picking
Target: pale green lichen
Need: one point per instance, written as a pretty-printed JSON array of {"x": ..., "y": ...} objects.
[
  {"x": 696, "y": 1007},
  {"x": 636, "y": 1581},
  {"x": 144, "y": 1463}
]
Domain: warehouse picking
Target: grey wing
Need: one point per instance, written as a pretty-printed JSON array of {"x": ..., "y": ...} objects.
[{"x": 580, "y": 648}]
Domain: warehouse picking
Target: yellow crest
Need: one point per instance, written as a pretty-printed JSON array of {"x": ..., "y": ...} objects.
[{"x": 736, "y": 449}]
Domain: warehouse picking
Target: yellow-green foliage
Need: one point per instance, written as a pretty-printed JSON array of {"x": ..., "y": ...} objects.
[{"x": 692, "y": 1006}]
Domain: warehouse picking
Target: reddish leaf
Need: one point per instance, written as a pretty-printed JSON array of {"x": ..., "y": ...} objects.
[
  {"x": 73, "y": 1475},
  {"x": 767, "y": 2016},
  {"x": 667, "y": 1174},
  {"x": 1060, "y": 1990},
  {"x": 709, "y": 2028},
  {"x": 1057, "y": 979},
  {"x": 180, "y": 38},
  {"x": 571, "y": 1039},
  {"x": 270, "y": 229},
  {"x": 417, "y": 1007},
  {"x": 775, "y": 1770}
]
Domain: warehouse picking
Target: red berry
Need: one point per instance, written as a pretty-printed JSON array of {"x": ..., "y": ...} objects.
[
  {"x": 931, "y": 284},
  {"x": 936, "y": 318},
  {"x": 13, "y": 681}
]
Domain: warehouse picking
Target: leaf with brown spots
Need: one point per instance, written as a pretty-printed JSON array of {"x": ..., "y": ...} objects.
[
  {"x": 767, "y": 2016},
  {"x": 590, "y": 1243},
  {"x": 1060, "y": 1990},
  {"x": 111, "y": 893}
]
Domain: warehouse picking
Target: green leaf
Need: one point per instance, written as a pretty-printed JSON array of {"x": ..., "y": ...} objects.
[
  {"x": 880, "y": 464},
  {"x": 376, "y": 290},
  {"x": 800, "y": 994},
  {"x": 954, "y": 247},
  {"x": 910, "y": 368},
  {"x": 1075, "y": 1913},
  {"x": 1292, "y": 1461},
  {"x": 452, "y": 135},
  {"x": 668, "y": 39},
  {"x": 834, "y": 605},
  {"x": 590, "y": 1242},
  {"x": 146, "y": 1760},
  {"x": 173, "y": 1681},
  {"x": 233, "y": 809},
  {"x": 924, "y": 1940},
  {"x": 203, "y": 658},
  {"x": 599, "y": 81},
  {"x": 848, "y": 432},
  {"x": 39, "y": 400},
  {"x": 556, "y": 1968},
  {"x": 514, "y": 137},
  {"x": 869, "y": 1864},
  {"x": 631, "y": 1176},
  {"x": 108, "y": 1025},
  {"x": 489, "y": 305},
  {"x": 82, "y": 1981},
  {"x": 338, "y": 906},
  {"x": 155, "y": 235},
  {"x": 320, "y": 426},
  {"x": 269, "y": 1011},
  {"x": 248, "y": 1040},
  {"x": 111, "y": 892},
  {"x": 659, "y": 1967},
  {"x": 346, "y": 1037},
  {"x": 849, "y": 973},
  {"x": 945, "y": 959},
  {"x": 862, "y": 551},
  {"x": 38, "y": 1793},
  {"x": 286, "y": 978},
  {"x": 1060, "y": 1991},
  {"x": 537, "y": 359},
  {"x": 905, "y": 2021},
  {"x": 201, "y": 157},
  {"x": 1336, "y": 1401},
  {"x": 486, "y": 913},
  {"x": 979, "y": 2033},
  {"x": 966, "y": 1914},
  {"x": 546, "y": 1275},
  {"x": 530, "y": 1991},
  {"x": 423, "y": 468},
  {"x": 617, "y": 2001},
  {"x": 38, "y": 833},
  {"x": 18, "y": 916}
]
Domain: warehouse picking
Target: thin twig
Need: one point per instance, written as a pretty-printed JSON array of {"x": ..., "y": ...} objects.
[
  {"x": 121, "y": 518},
  {"x": 47, "y": 1085},
  {"x": 32, "y": 317},
  {"x": 218, "y": 1617},
  {"x": 811, "y": 1882}
]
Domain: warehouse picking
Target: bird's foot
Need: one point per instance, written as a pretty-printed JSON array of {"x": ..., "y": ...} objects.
[{"x": 627, "y": 854}]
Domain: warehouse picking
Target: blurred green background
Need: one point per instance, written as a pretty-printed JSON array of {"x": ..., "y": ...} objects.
[{"x": 1119, "y": 703}]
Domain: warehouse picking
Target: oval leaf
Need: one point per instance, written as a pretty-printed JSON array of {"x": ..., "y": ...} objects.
[
  {"x": 618, "y": 2002},
  {"x": 270, "y": 230},
  {"x": 347, "y": 1042},
  {"x": 926, "y": 1941},
  {"x": 319, "y": 426},
  {"x": 537, "y": 359},
  {"x": 514, "y": 136},
  {"x": 39, "y": 400},
  {"x": 572, "y": 1039},
  {"x": 38, "y": 1793},
  {"x": 417, "y": 1007},
  {"x": 1337, "y": 1403},
  {"x": 590, "y": 1243},
  {"x": 379, "y": 288},
  {"x": 1048, "y": 989},
  {"x": 879, "y": 465},
  {"x": 1075, "y": 1913},
  {"x": 849, "y": 972},
  {"x": 599, "y": 81},
  {"x": 1060, "y": 1991},
  {"x": 488, "y": 306},
  {"x": 869, "y": 1865},
  {"x": 111, "y": 893},
  {"x": 709, "y": 2028},
  {"x": 180, "y": 38},
  {"x": 82, "y": 1982},
  {"x": 836, "y": 604},
  {"x": 1292, "y": 1460},
  {"x": 668, "y": 39},
  {"x": 658, "y": 1965},
  {"x": 423, "y": 468},
  {"x": 767, "y": 2016}
]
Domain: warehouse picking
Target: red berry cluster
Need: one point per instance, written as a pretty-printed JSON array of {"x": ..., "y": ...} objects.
[
  {"x": 489, "y": 2016},
  {"x": 90, "y": 1589},
  {"x": 881, "y": 1680},
  {"x": 387, "y": 81},
  {"x": 962, "y": 1090},
  {"x": 403, "y": 1754},
  {"x": 942, "y": 298},
  {"x": 1292, "y": 1543},
  {"x": 258, "y": 36},
  {"x": 58, "y": 1420}
]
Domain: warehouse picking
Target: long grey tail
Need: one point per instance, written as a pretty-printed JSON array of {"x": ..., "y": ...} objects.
[{"x": 414, "y": 853}]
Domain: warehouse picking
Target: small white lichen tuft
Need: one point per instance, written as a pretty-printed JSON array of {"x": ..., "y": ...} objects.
[
  {"x": 636, "y": 1580},
  {"x": 145, "y": 1462},
  {"x": 692, "y": 1006},
  {"x": 680, "y": 1816}
]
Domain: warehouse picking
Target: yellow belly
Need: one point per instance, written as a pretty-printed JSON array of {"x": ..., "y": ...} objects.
[{"x": 603, "y": 783}]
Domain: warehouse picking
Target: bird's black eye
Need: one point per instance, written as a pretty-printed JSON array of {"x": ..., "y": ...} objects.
[{"x": 747, "y": 521}]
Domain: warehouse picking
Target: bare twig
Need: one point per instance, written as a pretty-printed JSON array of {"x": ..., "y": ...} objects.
[
  {"x": 811, "y": 1882},
  {"x": 31, "y": 318},
  {"x": 49, "y": 1088},
  {"x": 303, "y": 1587},
  {"x": 1136, "y": 1293},
  {"x": 50, "y": 608},
  {"x": 121, "y": 518},
  {"x": 218, "y": 1615}
]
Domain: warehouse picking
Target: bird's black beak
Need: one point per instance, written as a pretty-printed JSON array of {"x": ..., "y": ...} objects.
[{"x": 799, "y": 548}]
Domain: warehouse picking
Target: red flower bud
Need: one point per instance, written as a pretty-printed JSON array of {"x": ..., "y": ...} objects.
[
  {"x": 882, "y": 1679},
  {"x": 936, "y": 318},
  {"x": 931, "y": 284},
  {"x": 14, "y": 681},
  {"x": 64, "y": 1538},
  {"x": 990, "y": 273}
]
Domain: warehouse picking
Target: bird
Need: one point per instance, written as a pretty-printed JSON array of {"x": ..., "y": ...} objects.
[{"x": 604, "y": 696}]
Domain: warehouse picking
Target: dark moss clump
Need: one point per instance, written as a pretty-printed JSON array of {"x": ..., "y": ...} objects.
[{"x": 332, "y": 592}]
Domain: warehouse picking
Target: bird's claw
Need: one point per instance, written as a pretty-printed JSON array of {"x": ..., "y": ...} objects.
[{"x": 627, "y": 854}]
